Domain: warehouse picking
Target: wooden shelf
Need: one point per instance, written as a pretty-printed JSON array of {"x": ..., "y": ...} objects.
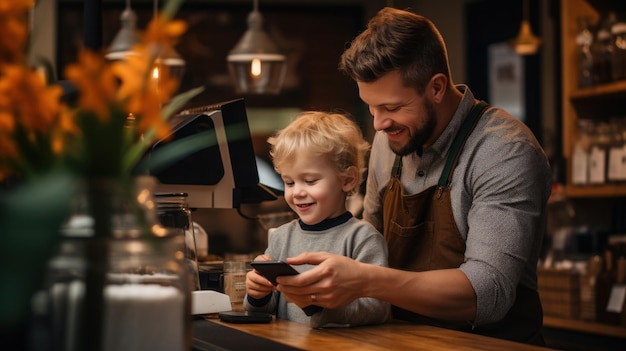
[
  {"x": 595, "y": 191},
  {"x": 604, "y": 5},
  {"x": 601, "y": 90},
  {"x": 614, "y": 331}
]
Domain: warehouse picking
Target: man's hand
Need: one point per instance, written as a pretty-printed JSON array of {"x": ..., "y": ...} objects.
[{"x": 334, "y": 282}]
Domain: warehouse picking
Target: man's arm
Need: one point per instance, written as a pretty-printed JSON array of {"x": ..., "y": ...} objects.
[{"x": 338, "y": 280}]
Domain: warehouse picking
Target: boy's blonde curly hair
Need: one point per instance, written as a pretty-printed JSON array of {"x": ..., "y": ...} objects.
[{"x": 334, "y": 136}]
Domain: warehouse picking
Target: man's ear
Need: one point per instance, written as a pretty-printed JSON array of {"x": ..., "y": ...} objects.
[{"x": 437, "y": 87}]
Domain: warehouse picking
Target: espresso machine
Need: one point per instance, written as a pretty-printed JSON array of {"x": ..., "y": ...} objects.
[
  {"x": 223, "y": 172},
  {"x": 219, "y": 170}
]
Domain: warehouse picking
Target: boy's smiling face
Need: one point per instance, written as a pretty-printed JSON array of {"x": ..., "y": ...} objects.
[{"x": 314, "y": 188}]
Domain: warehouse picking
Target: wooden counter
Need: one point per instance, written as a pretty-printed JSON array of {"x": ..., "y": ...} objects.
[{"x": 392, "y": 336}]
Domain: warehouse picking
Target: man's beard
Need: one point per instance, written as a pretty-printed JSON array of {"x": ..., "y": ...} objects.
[{"x": 417, "y": 140}]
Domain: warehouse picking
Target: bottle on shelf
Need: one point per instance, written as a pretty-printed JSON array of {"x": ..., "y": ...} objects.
[
  {"x": 615, "y": 308},
  {"x": 560, "y": 227},
  {"x": 588, "y": 284},
  {"x": 598, "y": 153},
  {"x": 616, "y": 172},
  {"x": 602, "y": 50},
  {"x": 580, "y": 154},
  {"x": 618, "y": 58},
  {"x": 622, "y": 167},
  {"x": 621, "y": 276},
  {"x": 584, "y": 40},
  {"x": 604, "y": 284}
]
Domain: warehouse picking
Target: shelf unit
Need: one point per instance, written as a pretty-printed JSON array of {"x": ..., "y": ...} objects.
[{"x": 597, "y": 103}]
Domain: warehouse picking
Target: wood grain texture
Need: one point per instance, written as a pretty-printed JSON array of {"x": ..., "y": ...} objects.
[{"x": 390, "y": 336}]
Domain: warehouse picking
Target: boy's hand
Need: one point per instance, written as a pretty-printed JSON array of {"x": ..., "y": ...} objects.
[{"x": 257, "y": 286}]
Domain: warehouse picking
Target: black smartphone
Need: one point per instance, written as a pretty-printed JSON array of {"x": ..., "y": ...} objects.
[
  {"x": 245, "y": 317},
  {"x": 273, "y": 269}
]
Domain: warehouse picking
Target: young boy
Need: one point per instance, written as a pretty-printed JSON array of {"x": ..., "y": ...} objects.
[{"x": 321, "y": 158}]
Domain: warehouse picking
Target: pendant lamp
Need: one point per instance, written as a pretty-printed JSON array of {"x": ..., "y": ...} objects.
[
  {"x": 122, "y": 44},
  {"x": 167, "y": 57},
  {"x": 526, "y": 43},
  {"x": 256, "y": 64}
]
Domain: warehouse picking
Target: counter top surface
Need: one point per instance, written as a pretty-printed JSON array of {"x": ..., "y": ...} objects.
[{"x": 391, "y": 336}]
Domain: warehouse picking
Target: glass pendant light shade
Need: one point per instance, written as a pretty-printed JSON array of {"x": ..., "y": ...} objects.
[
  {"x": 122, "y": 44},
  {"x": 167, "y": 57},
  {"x": 171, "y": 60},
  {"x": 256, "y": 64}
]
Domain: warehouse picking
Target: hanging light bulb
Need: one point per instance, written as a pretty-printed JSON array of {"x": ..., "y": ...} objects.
[
  {"x": 526, "y": 43},
  {"x": 126, "y": 38},
  {"x": 256, "y": 64},
  {"x": 170, "y": 60},
  {"x": 167, "y": 58}
]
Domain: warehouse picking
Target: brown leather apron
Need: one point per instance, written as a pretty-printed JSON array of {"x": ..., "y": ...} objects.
[{"x": 422, "y": 235}]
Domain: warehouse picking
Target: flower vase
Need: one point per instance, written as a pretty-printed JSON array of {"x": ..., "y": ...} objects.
[{"x": 118, "y": 281}]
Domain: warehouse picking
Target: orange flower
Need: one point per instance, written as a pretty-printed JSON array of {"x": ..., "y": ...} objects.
[
  {"x": 26, "y": 102},
  {"x": 163, "y": 32},
  {"x": 38, "y": 131},
  {"x": 133, "y": 72},
  {"x": 13, "y": 25},
  {"x": 8, "y": 149},
  {"x": 66, "y": 126},
  {"x": 146, "y": 83},
  {"x": 96, "y": 82},
  {"x": 15, "y": 6}
]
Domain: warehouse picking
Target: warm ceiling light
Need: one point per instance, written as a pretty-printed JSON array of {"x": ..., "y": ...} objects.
[
  {"x": 526, "y": 43},
  {"x": 126, "y": 38},
  {"x": 167, "y": 57},
  {"x": 256, "y": 64}
]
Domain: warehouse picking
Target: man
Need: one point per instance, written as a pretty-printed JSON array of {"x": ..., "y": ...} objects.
[{"x": 458, "y": 189}]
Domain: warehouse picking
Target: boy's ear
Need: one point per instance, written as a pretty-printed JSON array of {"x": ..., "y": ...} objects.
[{"x": 350, "y": 179}]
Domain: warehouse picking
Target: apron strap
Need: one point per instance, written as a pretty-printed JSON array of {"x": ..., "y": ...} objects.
[
  {"x": 465, "y": 130},
  {"x": 396, "y": 171},
  {"x": 467, "y": 126}
]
